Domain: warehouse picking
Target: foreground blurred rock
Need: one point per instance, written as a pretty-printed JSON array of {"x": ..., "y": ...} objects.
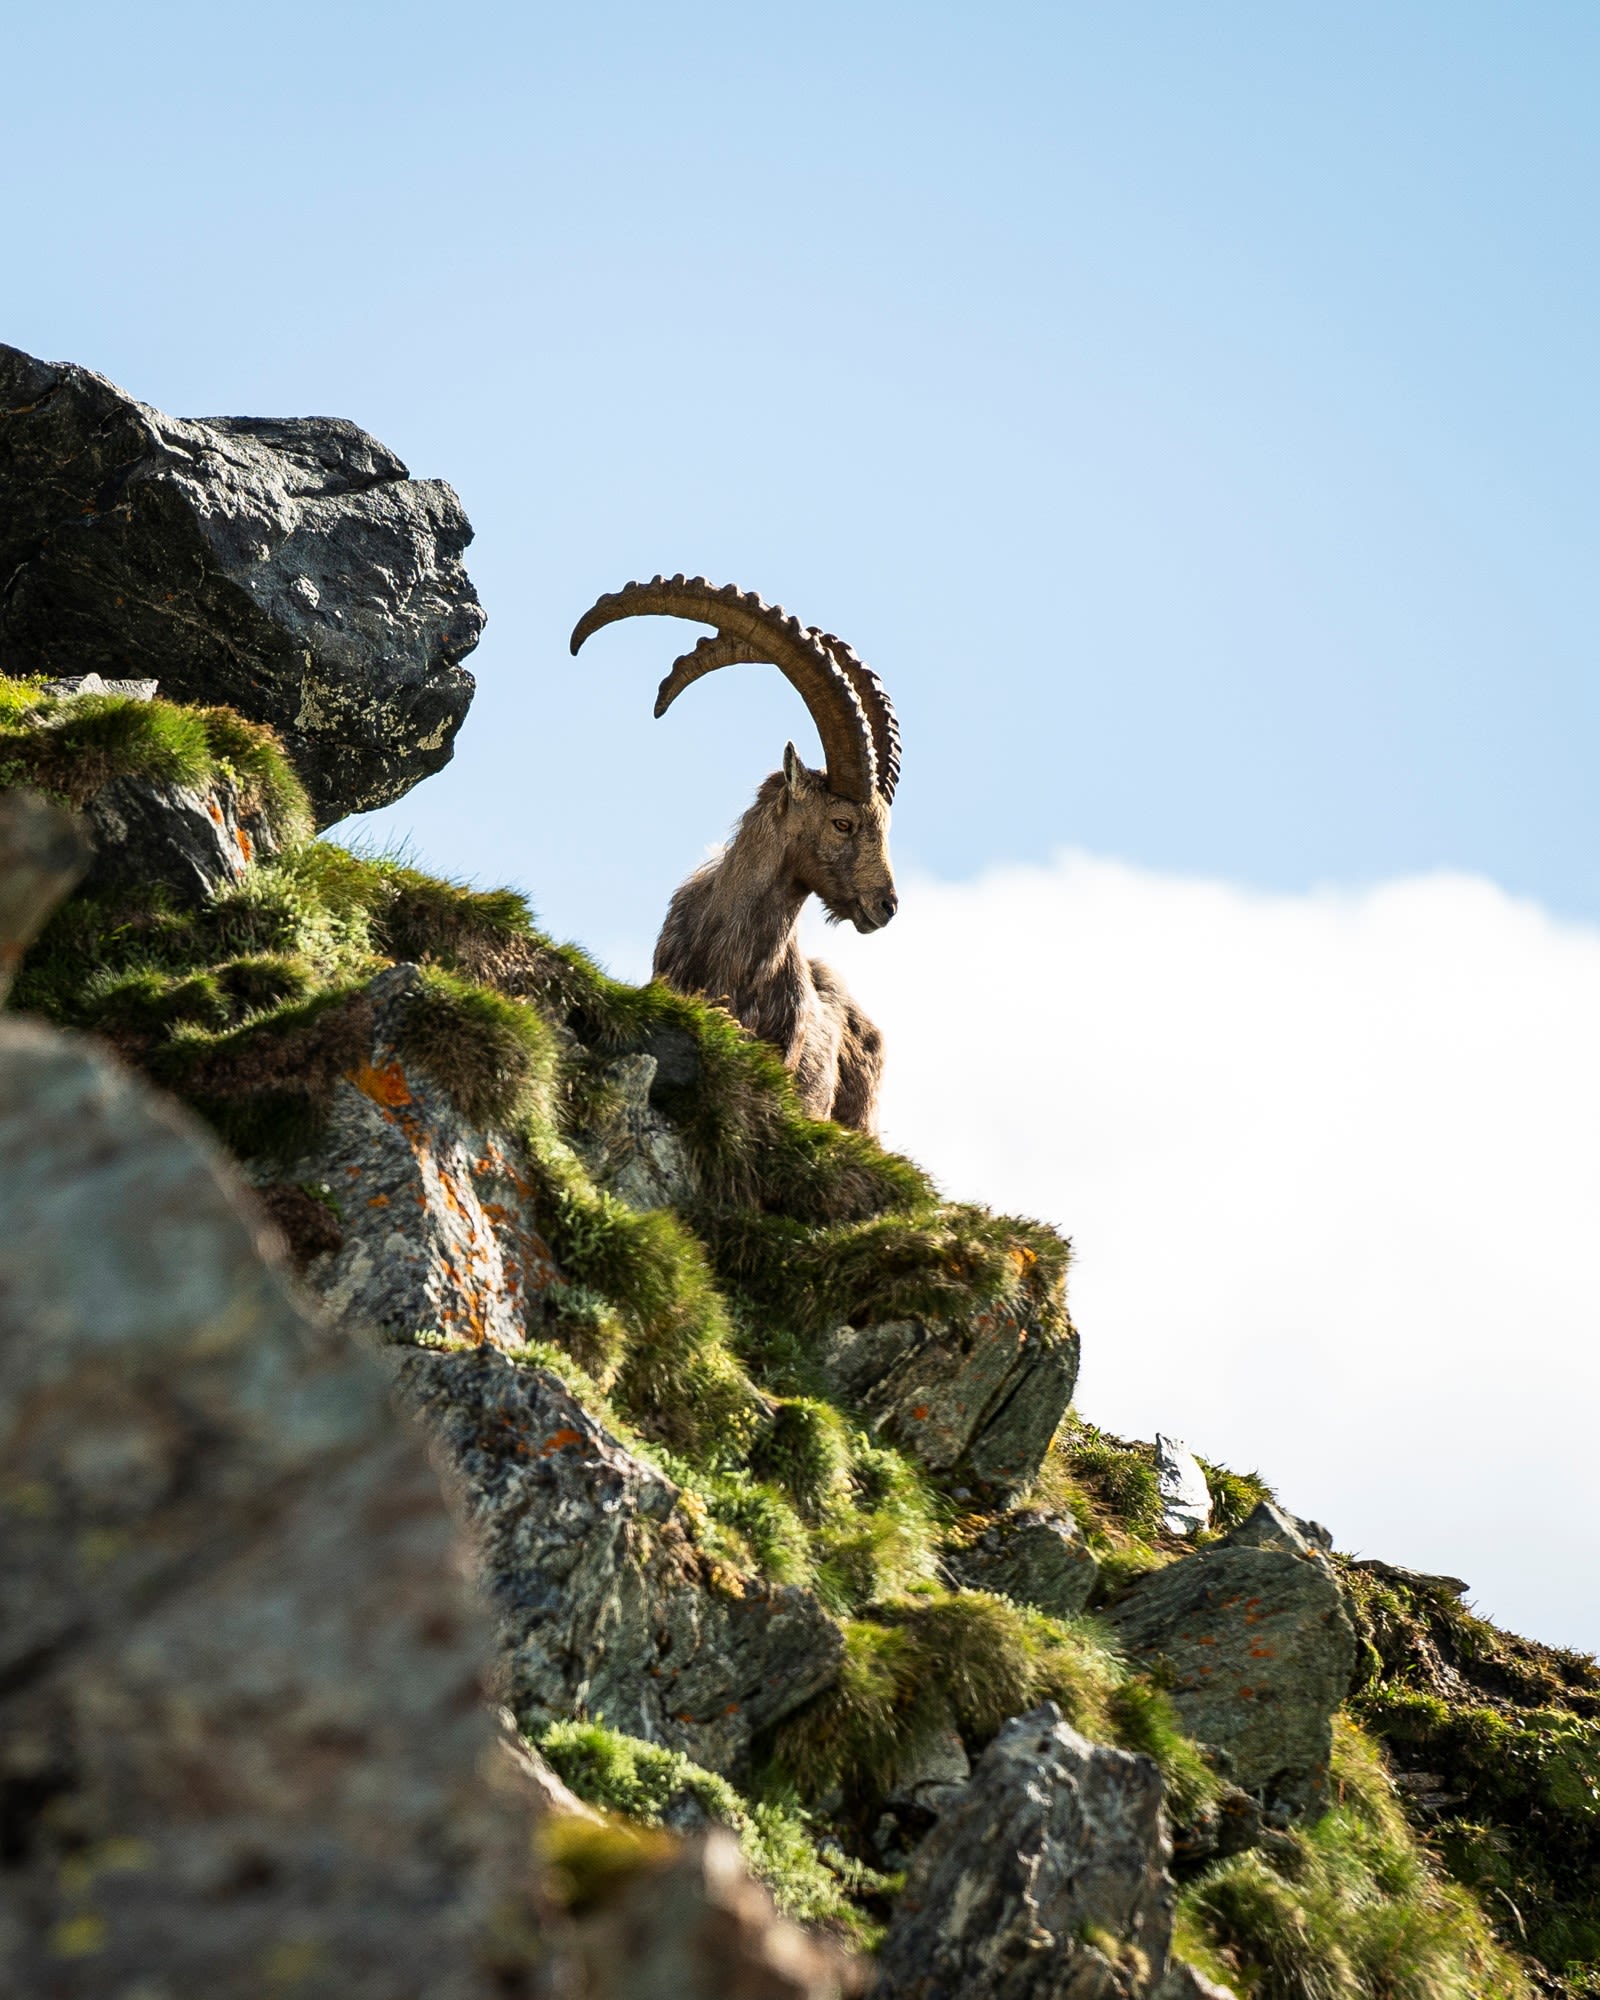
[
  {"x": 290, "y": 568},
  {"x": 241, "y": 1737}
]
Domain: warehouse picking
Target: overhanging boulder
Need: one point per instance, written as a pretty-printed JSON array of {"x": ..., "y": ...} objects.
[{"x": 290, "y": 569}]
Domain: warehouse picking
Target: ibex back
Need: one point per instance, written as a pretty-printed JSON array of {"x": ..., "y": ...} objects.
[{"x": 732, "y": 929}]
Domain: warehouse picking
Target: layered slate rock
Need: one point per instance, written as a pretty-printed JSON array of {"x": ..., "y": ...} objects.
[
  {"x": 290, "y": 569},
  {"x": 1033, "y": 1557},
  {"x": 980, "y": 1398},
  {"x": 1045, "y": 1880},
  {"x": 606, "y": 1606},
  {"x": 407, "y": 1217},
  {"x": 242, "y": 1744},
  {"x": 1255, "y": 1646}
]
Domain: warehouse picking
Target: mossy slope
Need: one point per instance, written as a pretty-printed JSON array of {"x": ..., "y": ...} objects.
[{"x": 694, "y": 1334}]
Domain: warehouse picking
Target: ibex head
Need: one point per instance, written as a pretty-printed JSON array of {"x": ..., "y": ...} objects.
[{"x": 837, "y": 819}]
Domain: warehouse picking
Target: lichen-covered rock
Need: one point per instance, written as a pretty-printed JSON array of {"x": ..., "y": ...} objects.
[
  {"x": 1046, "y": 1880},
  {"x": 1269, "y": 1526},
  {"x": 606, "y": 1606},
  {"x": 289, "y": 569},
  {"x": 1185, "y": 1496},
  {"x": 1257, "y": 1651},
  {"x": 982, "y": 1397},
  {"x": 426, "y": 1219},
  {"x": 242, "y": 1744},
  {"x": 1033, "y": 1557},
  {"x": 692, "y": 1925},
  {"x": 628, "y": 1147},
  {"x": 194, "y": 840}
]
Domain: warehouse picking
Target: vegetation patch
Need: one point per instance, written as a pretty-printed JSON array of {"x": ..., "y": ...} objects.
[
  {"x": 810, "y": 1879},
  {"x": 1351, "y": 1908}
]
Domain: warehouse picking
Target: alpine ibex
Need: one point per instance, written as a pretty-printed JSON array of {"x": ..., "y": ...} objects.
[{"x": 731, "y": 930}]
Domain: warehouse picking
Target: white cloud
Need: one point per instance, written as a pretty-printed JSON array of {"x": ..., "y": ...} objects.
[{"x": 1331, "y": 1165}]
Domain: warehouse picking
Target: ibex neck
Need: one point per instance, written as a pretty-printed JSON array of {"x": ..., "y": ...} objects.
[{"x": 758, "y": 899}]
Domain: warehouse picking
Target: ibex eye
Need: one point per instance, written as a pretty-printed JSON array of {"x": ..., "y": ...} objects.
[{"x": 843, "y": 825}]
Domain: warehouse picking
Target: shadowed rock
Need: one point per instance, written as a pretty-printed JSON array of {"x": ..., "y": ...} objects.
[
  {"x": 982, "y": 1397},
  {"x": 1032, "y": 1557},
  {"x": 288, "y": 568},
  {"x": 1045, "y": 1880},
  {"x": 606, "y": 1606},
  {"x": 242, "y": 1745}
]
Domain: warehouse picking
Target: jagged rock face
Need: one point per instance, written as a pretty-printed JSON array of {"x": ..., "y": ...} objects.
[
  {"x": 290, "y": 569},
  {"x": 193, "y": 839},
  {"x": 1032, "y": 1557},
  {"x": 242, "y": 1743},
  {"x": 1046, "y": 1880},
  {"x": 426, "y": 1219},
  {"x": 630, "y": 1149},
  {"x": 606, "y": 1607},
  {"x": 1258, "y": 1652},
  {"x": 981, "y": 1398}
]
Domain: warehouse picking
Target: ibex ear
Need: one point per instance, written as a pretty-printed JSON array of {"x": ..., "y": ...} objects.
[{"x": 794, "y": 772}]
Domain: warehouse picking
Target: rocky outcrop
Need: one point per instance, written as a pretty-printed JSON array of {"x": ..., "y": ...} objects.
[
  {"x": 193, "y": 839},
  {"x": 628, "y": 1147},
  {"x": 606, "y": 1606},
  {"x": 1185, "y": 1497},
  {"x": 242, "y": 1745},
  {"x": 407, "y": 1216},
  {"x": 291, "y": 569},
  {"x": 1257, "y": 1651},
  {"x": 1046, "y": 1880},
  {"x": 1033, "y": 1557},
  {"x": 980, "y": 1398}
]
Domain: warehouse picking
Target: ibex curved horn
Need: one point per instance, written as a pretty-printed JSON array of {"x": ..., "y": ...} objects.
[{"x": 847, "y": 703}]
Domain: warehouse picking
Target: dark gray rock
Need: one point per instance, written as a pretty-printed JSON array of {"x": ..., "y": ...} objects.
[
  {"x": 606, "y": 1606},
  {"x": 289, "y": 569},
  {"x": 1032, "y": 1557},
  {"x": 1045, "y": 1880},
  {"x": 982, "y": 1397},
  {"x": 242, "y": 1743},
  {"x": 428, "y": 1217},
  {"x": 629, "y": 1148},
  {"x": 195, "y": 840},
  {"x": 1258, "y": 1652}
]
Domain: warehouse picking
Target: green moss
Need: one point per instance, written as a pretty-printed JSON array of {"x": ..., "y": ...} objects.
[
  {"x": 652, "y": 1787},
  {"x": 70, "y": 748},
  {"x": 935, "y": 1263},
  {"x": 495, "y": 1058},
  {"x": 938, "y": 1660},
  {"x": 1351, "y": 1908}
]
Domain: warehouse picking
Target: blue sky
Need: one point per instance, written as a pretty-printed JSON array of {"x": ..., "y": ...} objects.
[{"x": 1190, "y": 411}]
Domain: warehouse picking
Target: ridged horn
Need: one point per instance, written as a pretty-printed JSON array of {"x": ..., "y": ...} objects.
[
  {"x": 763, "y": 632},
  {"x": 879, "y": 710}
]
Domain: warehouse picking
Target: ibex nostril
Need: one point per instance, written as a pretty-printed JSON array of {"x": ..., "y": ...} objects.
[{"x": 888, "y": 906}]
